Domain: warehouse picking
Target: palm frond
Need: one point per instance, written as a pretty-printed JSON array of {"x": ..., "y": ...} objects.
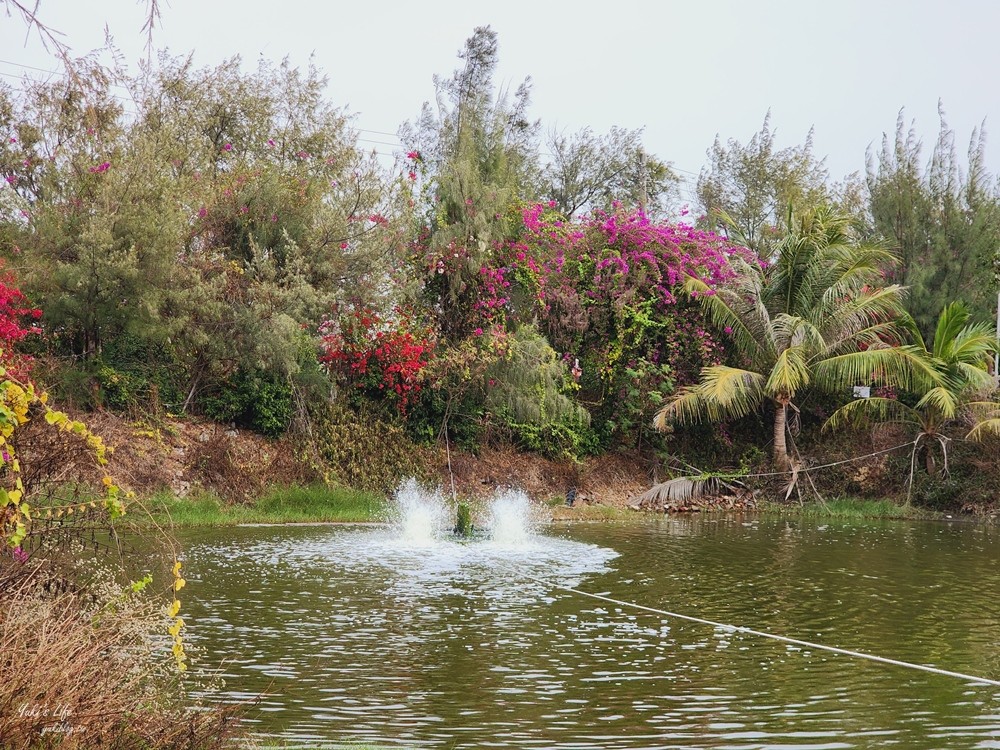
[
  {"x": 722, "y": 393},
  {"x": 684, "y": 407},
  {"x": 900, "y": 366},
  {"x": 979, "y": 410},
  {"x": 790, "y": 372},
  {"x": 737, "y": 310},
  {"x": 974, "y": 344},
  {"x": 973, "y": 378},
  {"x": 792, "y": 330},
  {"x": 875, "y": 409},
  {"x": 942, "y": 399},
  {"x": 845, "y": 320},
  {"x": 951, "y": 321},
  {"x": 984, "y": 429},
  {"x": 836, "y": 266},
  {"x": 846, "y": 271},
  {"x": 679, "y": 490}
]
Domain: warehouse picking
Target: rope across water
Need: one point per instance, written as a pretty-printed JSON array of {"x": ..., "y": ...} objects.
[{"x": 772, "y": 636}]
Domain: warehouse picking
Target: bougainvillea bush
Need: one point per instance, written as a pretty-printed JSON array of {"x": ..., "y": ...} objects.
[
  {"x": 605, "y": 294},
  {"x": 605, "y": 291},
  {"x": 383, "y": 357}
]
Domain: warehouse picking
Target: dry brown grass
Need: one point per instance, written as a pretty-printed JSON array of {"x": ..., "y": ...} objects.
[{"x": 85, "y": 669}]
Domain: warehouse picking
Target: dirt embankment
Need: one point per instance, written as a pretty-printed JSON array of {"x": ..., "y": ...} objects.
[
  {"x": 185, "y": 456},
  {"x": 191, "y": 455},
  {"x": 612, "y": 479}
]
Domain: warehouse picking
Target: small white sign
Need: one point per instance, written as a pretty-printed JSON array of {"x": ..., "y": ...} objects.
[{"x": 862, "y": 391}]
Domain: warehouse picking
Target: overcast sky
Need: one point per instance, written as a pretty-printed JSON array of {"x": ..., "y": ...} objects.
[{"x": 684, "y": 71}]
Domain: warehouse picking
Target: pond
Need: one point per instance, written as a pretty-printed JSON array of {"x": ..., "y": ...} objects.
[{"x": 363, "y": 634}]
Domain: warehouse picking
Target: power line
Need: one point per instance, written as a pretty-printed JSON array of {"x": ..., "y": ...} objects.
[
  {"x": 685, "y": 191},
  {"x": 29, "y": 79},
  {"x": 400, "y": 144},
  {"x": 384, "y": 143},
  {"x": 58, "y": 73}
]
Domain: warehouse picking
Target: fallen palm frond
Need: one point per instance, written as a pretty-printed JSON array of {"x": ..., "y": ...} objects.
[{"x": 678, "y": 492}]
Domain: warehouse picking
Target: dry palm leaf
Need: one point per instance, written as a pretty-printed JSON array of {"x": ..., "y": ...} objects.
[{"x": 679, "y": 490}]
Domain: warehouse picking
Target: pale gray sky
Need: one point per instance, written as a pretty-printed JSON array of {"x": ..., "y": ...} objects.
[{"x": 684, "y": 71}]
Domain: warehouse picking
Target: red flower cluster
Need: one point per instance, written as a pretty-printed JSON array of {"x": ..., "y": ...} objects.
[
  {"x": 377, "y": 354},
  {"x": 14, "y": 311}
]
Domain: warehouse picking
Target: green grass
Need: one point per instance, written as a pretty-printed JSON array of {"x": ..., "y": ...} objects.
[
  {"x": 847, "y": 507},
  {"x": 312, "y": 504},
  {"x": 590, "y": 512}
]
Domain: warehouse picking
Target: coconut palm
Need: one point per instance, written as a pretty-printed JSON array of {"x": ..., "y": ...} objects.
[
  {"x": 813, "y": 317},
  {"x": 961, "y": 353}
]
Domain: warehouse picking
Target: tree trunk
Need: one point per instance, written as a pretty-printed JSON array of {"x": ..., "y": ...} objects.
[
  {"x": 930, "y": 465},
  {"x": 781, "y": 462}
]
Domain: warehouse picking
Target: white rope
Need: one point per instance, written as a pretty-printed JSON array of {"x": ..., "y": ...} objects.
[
  {"x": 783, "y": 639},
  {"x": 816, "y": 468}
]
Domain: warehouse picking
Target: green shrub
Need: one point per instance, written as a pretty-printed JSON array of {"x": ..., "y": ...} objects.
[
  {"x": 362, "y": 449},
  {"x": 255, "y": 400}
]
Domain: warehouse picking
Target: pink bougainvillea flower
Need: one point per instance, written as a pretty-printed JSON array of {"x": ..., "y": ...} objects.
[
  {"x": 414, "y": 155},
  {"x": 102, "y": 167},
  {"x": 412, "y": 176},
  {"x": 202, "y": 212},
  {"x": 13, "y": 140},
  {"x": 228, "y": 147},
  {"x": 20, "y": 555},
  {"x": 270, "y": 141}
]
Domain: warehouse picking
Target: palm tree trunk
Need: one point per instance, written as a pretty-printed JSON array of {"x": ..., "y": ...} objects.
[
  {"x": 930, "y": 466},
  {"x": 781, "y": 461}
]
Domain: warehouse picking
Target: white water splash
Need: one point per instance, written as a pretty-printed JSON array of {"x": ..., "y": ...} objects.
[
  {"x": 422, "y": 517},
  {"x": 512, "y": 520},
  {"x": 418, "y": 556}
]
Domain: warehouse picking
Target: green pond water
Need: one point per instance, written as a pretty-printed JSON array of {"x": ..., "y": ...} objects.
[{"x": 357, "y": 634}]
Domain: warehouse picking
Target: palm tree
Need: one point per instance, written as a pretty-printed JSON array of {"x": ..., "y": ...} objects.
[
  {"x": 812, "y": 317},
  {"x": 961, "y": 353}
]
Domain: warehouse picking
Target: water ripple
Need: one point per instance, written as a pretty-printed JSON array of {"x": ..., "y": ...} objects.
[{"x": 355, "y": 636}]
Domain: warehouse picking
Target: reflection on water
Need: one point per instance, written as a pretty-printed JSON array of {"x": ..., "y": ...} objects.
[{"x": 354, "y": 634}]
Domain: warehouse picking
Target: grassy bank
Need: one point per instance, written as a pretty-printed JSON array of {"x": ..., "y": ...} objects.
[
  {"x": 587, "y": 512},
  {"x": 322, "y": 504},
  {"x": 314, "y": 504},
  {"x": 850, "y": 508}
]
